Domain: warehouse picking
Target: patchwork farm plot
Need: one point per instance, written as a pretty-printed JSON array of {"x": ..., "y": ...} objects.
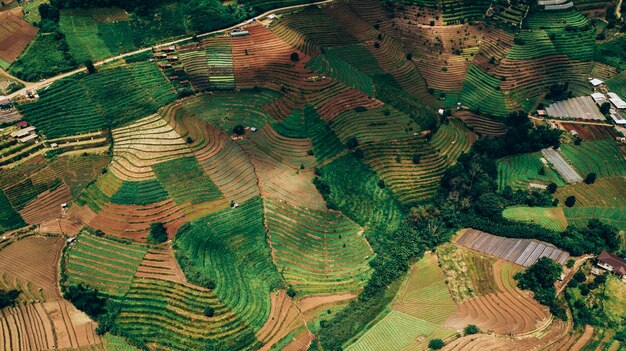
[
  {"x": 15, "y": 35},
  {"x": 268, "y": 188}
]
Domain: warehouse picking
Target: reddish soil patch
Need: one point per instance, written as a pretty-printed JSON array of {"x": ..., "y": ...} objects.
[
  {"x": 131, "y": 221},
  {"x": 313, "y": 302},
  {"x": 284, "y": 318},
  {"x": 47, "y": 205},
  {"x": 15, "y": 34},
  {"x": 300, "y": 343},
  {"x": 584, "y": 339},
  {"x": 590, "y": 131},
  {"x": 61, "y": 226},
  {"x": 161, "y": 264},
  {"x": 34, "y": 259}
]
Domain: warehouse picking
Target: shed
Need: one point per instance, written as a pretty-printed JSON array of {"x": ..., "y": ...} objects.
[
  {"x": 599, "y": 98},
  {"x": 22, "y": 124},
  {"x": 241, "y": 33},
  {"x": 595, "y": 82},
  {"x": 617, "y": 101},
  {"x": 28, "y": 138}
]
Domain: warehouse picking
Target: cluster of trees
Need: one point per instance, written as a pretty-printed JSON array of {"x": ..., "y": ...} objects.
[
  {"x": 521, "y": 137},
  {"x": 158, "y": 233},
  {"x": 8, "y": 297},
  {"x": 559, "y": 91},
  {"x": 540, "y": 279},
  {"x": 96, "y": 306},
  {"x": 191, "y": 273}
]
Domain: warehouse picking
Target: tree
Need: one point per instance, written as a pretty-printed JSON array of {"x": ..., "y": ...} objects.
[
  {"x": 540, "y": 279},
  {"x": 239, "y": 129},
  {"x": 605, "y": 108},
  {"x": 416, "y": 158},
  {"x": 352, "y": 143},
  {"x": 591, "y": 178},
  {"x": 570, "y": 201},
  {"x": 436, "y": 344},
  {"x": 295, "y": 56},
  {"x": 471, "y": 329},
  {"x": 86, "y": 299},
  {"x": 291, "y": 292},
  {"x": 552, "y": 188},
  {"x": 7, "y": 298},
  {"x": 209, "y": 311},
  {"x": 158, "y": 233},
  {"x": 91, "y": 69}
]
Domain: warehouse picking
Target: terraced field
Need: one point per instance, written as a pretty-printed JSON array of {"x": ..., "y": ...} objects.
[
  {"x": 318, "y": 252},
  {"x": 602, "y": 157},
  {"x": 521, "y": 170},
  {"x": 421, "y": 306},
  {"x": 550, "y": 218},
  {"x": 103, "y": 264}
]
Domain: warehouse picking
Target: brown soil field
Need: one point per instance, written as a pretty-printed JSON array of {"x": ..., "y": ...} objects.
[
  {"x": 311, "y": 303},
  {"x": 284, "y": 318},
  {"x": 301, "y": 343},
  {"x": 34, "y": 260},
  {"x": 43, "y": 326},
  {"x": 15, "y": 34},
  {"x": 590, "y": 131},
  {"x": 161, "y": 264},
  {"x": 47, "y": 206},
  {"x": 61, "y": 226}
]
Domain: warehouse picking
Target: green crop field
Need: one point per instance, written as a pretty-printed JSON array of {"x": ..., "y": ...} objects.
[
  {"x": 421, "y": 306},
  {"x": 9, "y": 219},
  {"x": 602, "y": 157},
  {"x": 550, "y": 217},
  {"x": 233, "y": 240},
  {"x": 519, "y": 170},
  {"x": 117, "y": 343},
  {"x": 185, "y": 181},
  {"x": 325, "y": 142},
  {"x": 354, "y": 190},
  {"x": 617, "y": 84},
  {"x": 604, "y": 192},
  {"x": 453, "y": 139},
  {"x": 103, "y": 264},
  {"x": 332, "y": 66},
  {"x": 108, "y": 99},
  {"x": 139, "y": 193},
  {"x": 482, "y": 91},
  {"x": 292, "y": 126},
  {"x": 81, "y": 34}
]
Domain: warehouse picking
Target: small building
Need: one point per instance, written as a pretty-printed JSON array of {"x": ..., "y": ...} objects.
[
  {"x": 164, "y": 65},
  {"x": 599, "y": 98},
  {"x": 28, "y": 138},
  {"x": 171, "y": 58},
  {"x": 541, "y": 113},
  {"x": 253, "y": 129},
  {"x": 617, "y": 101},
  {"x": 22, "y": 124},
  {"x": 617, "y": 117},
  {"x": 441, "y": 112},
  {"x": 595, "y": 82},
  {"x": 160, "y": 55},
  {"x": 239, "y": 33},
  {"x": 613, "y": 264},
  {"x": 22, "y": 132},
  {"x": 271, "y": 16},
  {"x": 168, "y": 49}
]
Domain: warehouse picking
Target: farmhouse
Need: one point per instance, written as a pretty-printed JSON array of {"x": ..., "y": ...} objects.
[{"x": 612, "y": 263}]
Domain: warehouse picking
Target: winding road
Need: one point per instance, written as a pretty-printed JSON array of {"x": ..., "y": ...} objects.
[{"x": 45, "y": 82}]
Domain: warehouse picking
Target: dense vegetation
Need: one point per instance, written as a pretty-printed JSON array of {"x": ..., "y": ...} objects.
[{"x": 540, "y": 279}]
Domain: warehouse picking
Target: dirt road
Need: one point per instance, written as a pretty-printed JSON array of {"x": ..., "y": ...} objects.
[{"x": 45, "y": 82}]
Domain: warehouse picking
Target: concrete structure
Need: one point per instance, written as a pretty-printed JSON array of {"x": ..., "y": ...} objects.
[{"x": 599, "y": 98}]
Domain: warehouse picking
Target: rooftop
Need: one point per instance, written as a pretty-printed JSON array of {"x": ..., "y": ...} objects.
[{"x": 618, "y": 263}]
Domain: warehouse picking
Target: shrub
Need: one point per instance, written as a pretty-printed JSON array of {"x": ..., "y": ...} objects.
[
  {"x": 158, "y": 233},
  {"x": 432, "y": 23},
  {"x": 416, "y": 158},
  {"x": 91, "y": 69},
  {"x": 552, "y": 188},
  {"x": 209, "y": 311},
  {"x": 471, "y": 329},
  {"x": 381, "y": 184},
  {"x": 570, "y": 201},
  {"x": 570, "y": 263},
  {"x": 7, "y": 298},
  {"x": 591, "y": 178},
  {"x": 239, "y": 129},
  {"x": 294, "y": 57},
  {"x": 436, "y": 344},
  {"x": 291, "y": 292},
  {"x": 352, "y": 143},
  {"x": 605, "y": 107}
]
